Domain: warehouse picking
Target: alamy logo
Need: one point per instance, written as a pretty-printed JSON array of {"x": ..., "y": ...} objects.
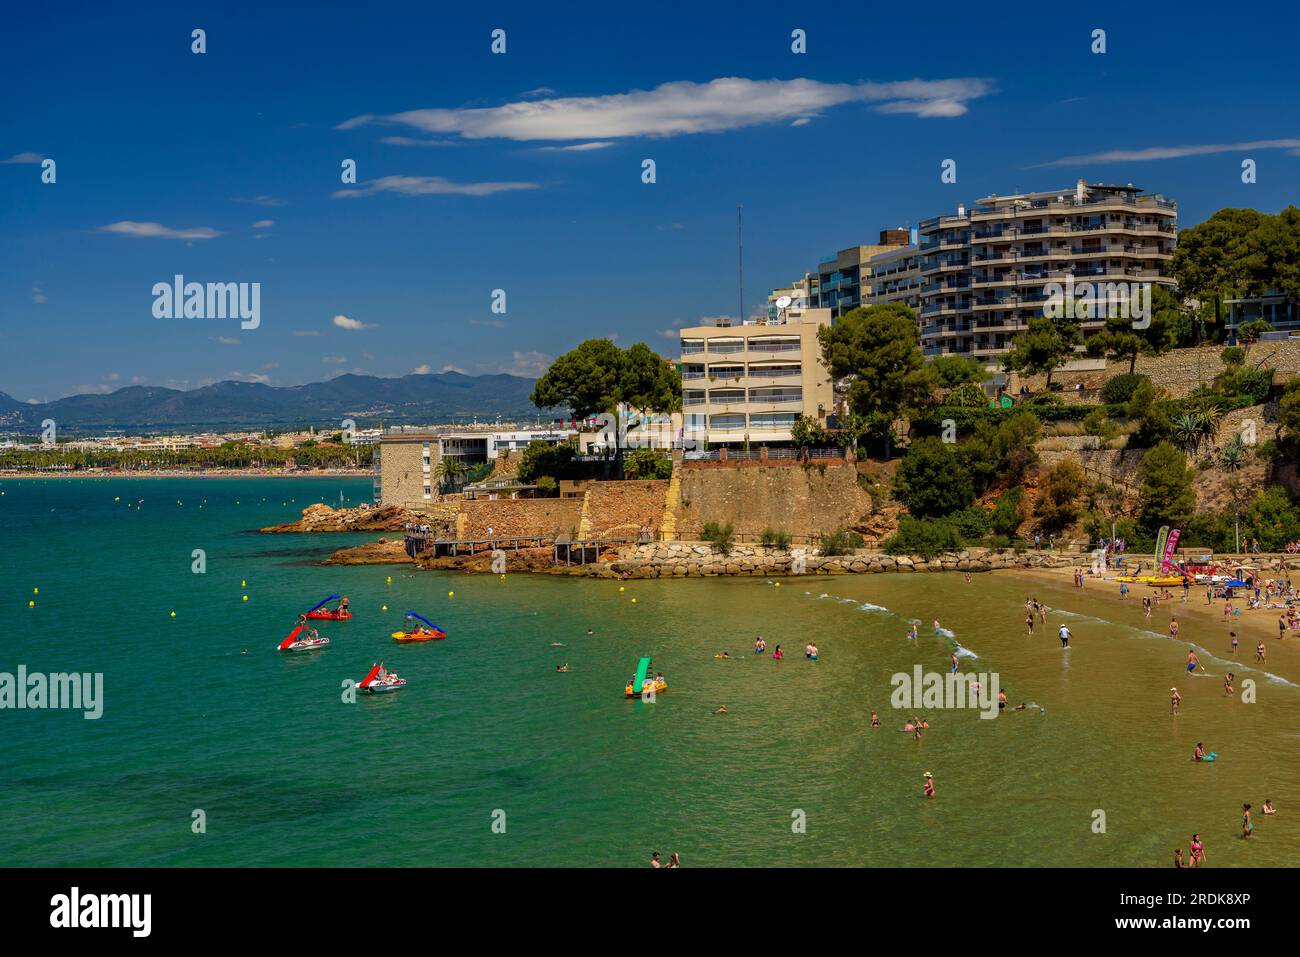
[
  {"x": 931, "y": 690},
  {"x": 1099, "y": 300},
  {"x": 59, "y": 691},
  {"x": 213, "y": 300},
  {"x": 103, "y": 910}
]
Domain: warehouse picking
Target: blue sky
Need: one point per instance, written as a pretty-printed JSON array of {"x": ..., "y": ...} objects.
[{"x": 522, "y": 171}]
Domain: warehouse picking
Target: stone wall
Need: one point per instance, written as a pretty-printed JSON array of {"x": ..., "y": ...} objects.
[
  {"x": 686, "y": 559},
  {"x": 792, "y": 498},
  {"x": 518, "y": 517},
  {"x": 621, "y": 509},
  {"x": 1180, "y": 371}
]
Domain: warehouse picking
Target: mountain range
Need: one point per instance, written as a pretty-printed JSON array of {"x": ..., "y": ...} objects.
[{"x": 434, "y": 398}]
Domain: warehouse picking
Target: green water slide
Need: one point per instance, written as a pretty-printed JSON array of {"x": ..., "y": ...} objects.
[{"x": 642, "y": 667}]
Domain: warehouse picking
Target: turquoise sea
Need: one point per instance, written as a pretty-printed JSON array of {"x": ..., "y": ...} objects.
[{"x": 287, "y": 773}]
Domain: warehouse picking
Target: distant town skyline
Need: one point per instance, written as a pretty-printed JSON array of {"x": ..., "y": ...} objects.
[{"x": 523, "y": 171}]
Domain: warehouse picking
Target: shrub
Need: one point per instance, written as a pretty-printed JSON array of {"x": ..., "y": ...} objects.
[
  {"x": 774, "y": 539},
  {"x": 932, "y": 479},
  {"x": 721, "y": 537},
  {"x": 1100, "y": 424},
  {"x": 1250, "y": 331},
  {"x": 841, "y": 542},
  {"x": 1058, "y": 495},
  {"x": 1233, "y": 356},
  {"x": 648, "y": 464},
  {"x": 1006, "y": 516},
  {"x": 926, "y": 537},
  {"x": 1120, "y": 389},
  {"x": 1254, "y": 384},
  {"x": 547, "y": 485}
]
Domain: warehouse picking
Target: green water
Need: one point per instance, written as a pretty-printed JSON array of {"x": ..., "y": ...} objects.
[{"x": 289, "y": 774}]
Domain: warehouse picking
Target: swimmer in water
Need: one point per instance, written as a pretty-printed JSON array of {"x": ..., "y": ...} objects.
[
  {"x": 1227, "y": 683},
  {"x": 1199, "y": 753},
  {"x": 1175, "y": 699},
  {"x": 929, "y": 784},
  {"x": 954, "y": 663},
  {"x": 1267, "y": 807},
  {"x": 1246, "y": 825},
  {"x": 562, "y": 668},
  {"x": 1178, "y": 857},
  {"x": 778, "y": 655},
  {"x": 721, "y": 709},
  {"x": 912, "y": 633},
  {"x": 1019, "y": 707},
  {"x": 1191, "y": 661},
  {"x": 875, "y": 723},
  {"x": 244, "y": 652},
  {"x": 937, "y": 629},
  {"x": 759, "y": 645},
  {"x": 557, "y": 644},
  {"x": 723, "y": 655}
]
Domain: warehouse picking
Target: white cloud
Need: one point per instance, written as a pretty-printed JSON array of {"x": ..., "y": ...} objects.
[
  {"x": 334, "y": 360},
  {"x": 38, "y": 295},
  {"x": 98, "y": 388},
  {"x": 528, "y": 363},
  {"x": 452, "y": 368},
  {"x": 578, "y": 147},
  {"x": 353, "y": 325},
  {"x": 261, "y": 200},
  {"x": 1172, "y": 152},
  {"x": 249, "y": 377},
  {"x": 23, "y": 158},
  {"x": 224, "y": 340},
  {"x": 137, "y": 380},
  {"x": 683, "y": 107},
  {"x": 412, "y": 141},
  {"x": 670, "y": 226},
  {"x": 158, "y": 231},
  {"x": 422, "y": 369},
  {"x": 306, "y": 332},
  {"x": 428, "y": 186},
  {"x": 263, "y": 224}
]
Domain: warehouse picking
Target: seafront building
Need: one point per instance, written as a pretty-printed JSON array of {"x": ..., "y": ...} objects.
[
  {"x": 749, "y": 383},
  {"x": 844, "y": 279},
  {"x": 896, "y": 276},
  {"x": 406, "y": 461},
  {"x": 985, "y": 268},
  {"x": 1273, "y": 306}
]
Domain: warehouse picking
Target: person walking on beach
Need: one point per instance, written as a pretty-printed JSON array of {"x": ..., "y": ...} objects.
[
  {"x": 1259, "y": 651},
  {"x": 1064, "y": 635},
  {"x": 1173, "y": 627},
  {"x": 1232, "y": 636},
  {"x": 1227, "y": 683},
  {"x": 1175, "y": 699},
  {"x": 1123, "y": 590}
]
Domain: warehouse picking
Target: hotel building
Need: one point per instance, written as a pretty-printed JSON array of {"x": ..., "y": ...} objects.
[
  {"x": 751, "y": 382},
  {"x": 896, "y": 277},
  {"x": 985, "y": 269}
]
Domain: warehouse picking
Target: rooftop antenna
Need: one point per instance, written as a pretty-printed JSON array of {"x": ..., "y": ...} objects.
[{"x": 740, "y": 258}]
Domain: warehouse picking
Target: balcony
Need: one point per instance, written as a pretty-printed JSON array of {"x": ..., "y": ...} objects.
[
  {"x": 758, "y": 372},
  {"x": 774, "y": 345}
]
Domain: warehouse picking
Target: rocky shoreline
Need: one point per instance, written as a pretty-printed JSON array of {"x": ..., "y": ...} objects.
[{"x": 324, "y": 518}]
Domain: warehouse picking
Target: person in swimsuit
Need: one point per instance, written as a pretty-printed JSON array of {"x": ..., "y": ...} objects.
[
  {"x": 1232, "y": 635},
  {"x": 875, "y": 721},
  {"x": 1246, "y": 825},
  {"x": 912, "y": 633},
  {"x": 562, "y": 668},
  {"x": 1281, "y": 626},
  {"x": 654, "y": 860},
  {"x": 759, "y": 645},
  {"x": 936, "y": 626},
  {"x": 954, "y": 663},
  {"x": 929, "y": 784},
  {"x": 675, "y": 860},
  {"x": 1191, "y": 661},
  {"x": 1227, "y": 683},
  {"x": 812, "y": 652},
  {"x": 722, "y": 709},
  {"x": 1267, "y": 807},
  {"x": 1173, "y": 627},
  {"x": 1259, "y": 651},
  {"x": 1178, "y": 857},
  {"x": 1199, "y": 753},
  {"x": 725, "y": 655},
  {"x": 778, "y": 654},
  {"x": 1029, "y": 623},
  {"x": 1002, "y": 700},
  {"x": 1198, "y": 851},
  {"x": 1175, "y": 699}
]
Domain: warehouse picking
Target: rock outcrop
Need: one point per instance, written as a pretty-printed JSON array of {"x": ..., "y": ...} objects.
[{"x": 323, "y": 518}]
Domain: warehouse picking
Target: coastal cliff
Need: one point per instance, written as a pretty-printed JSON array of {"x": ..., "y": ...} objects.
[{"x": 323, "y": 518}]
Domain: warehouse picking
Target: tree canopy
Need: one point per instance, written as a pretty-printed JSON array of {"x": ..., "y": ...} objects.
[{"x": 879, "y": 348}]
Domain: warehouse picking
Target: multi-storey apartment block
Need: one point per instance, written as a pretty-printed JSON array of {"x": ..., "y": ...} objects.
[
  {"x": 896, "y": 276},
  {"x": 986, "y": 269},
  {"x": 844, "y": 279},
  {"x": 750, "y": 383}
]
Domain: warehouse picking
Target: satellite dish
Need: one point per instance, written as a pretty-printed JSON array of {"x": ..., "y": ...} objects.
[{"x": 783, "y": 302}]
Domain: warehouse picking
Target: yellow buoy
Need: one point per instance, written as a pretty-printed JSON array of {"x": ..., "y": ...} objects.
[
  {"x": 243, "y": 583},
  {"x": 390, "y": 579},
  {"x": 385, "y": 608},
  {"x": 634, "y": 601},
  {"x": 31, "y": 604},
  {"x": 245, "y": 598},
  {"x": 173, "y": 614},
  {"x": 777, "y": 584},
  {"x": 36, "y": 591},
  {"x": 117, "y": 498},
  {"x": 620, "y": 587},
  {"x": 503, "y": 576},
  {"x": 451, "y": 594}
]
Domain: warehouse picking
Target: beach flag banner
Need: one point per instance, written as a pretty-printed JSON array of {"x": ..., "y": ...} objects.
[
  {"x": 1171, "y": 544},
  {"x": 1162, "y": 537}
]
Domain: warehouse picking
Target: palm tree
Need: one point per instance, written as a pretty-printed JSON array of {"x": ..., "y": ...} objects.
[{"x": 450, "y": 471}]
